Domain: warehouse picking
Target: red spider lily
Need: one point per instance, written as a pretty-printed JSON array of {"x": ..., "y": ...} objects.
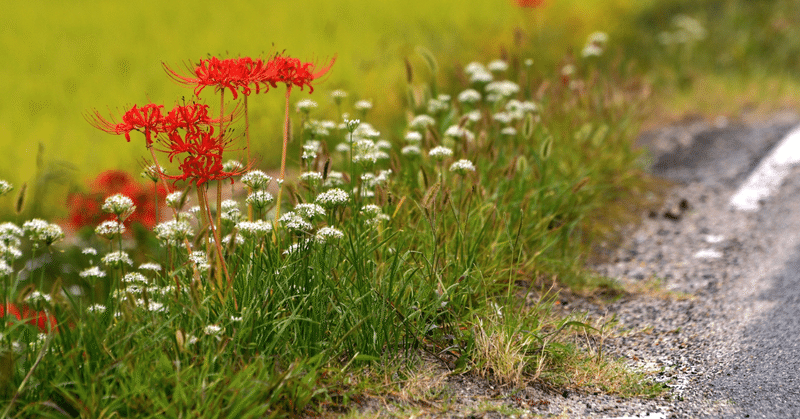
[
  {"x": 222, "y": 74},
  {"x": 530, "y": 3},
  {"x": 294, "y": 72},
  {"x": 39, "y": 319},
  {"x": 147, "y": 118},
  {"x": 203, "y": 161},
  {"x": 188, "y": 117}
]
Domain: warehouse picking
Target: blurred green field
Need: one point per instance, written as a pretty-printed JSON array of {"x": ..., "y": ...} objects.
[{"x": 65, "y": 58}]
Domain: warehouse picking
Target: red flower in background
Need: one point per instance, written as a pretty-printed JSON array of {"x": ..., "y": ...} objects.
[
  {"x": 530, "y": 3},
  {"x": 38, "y": 319},
  {"x": 85, "y": 208}
]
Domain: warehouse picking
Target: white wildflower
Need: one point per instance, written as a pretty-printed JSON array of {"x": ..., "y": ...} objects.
[
  {"x": 503, "y": 88},
  {"x": 93, "y": 272},
  {"x": 469, "y": 96},
  {"x": 411, "y": 150},
  {"x": 509, "y": 131},
  {"x": 5, "y": 268},
  {"x": 212, "y": 329},
  {"x": 254, "y": 229},
  {"x": 326, "y": 234},
  {"x": 96, "y": 308},
  {"x": 309, "y": 211},
  {"x": 311, "y": 177},
  {"x": 119, "y": 205},
  {"x": 481, "y": 77},
  {"x": 363, "y": 105},
  {"x": 421, "y": 122},
  {"x": 497, "y": 66},
  {"x": 305, "y": 105},
  {"x": 10, "y": 234},
  {"x": 133, "y": 278},
  {"x": 462, "y": 167},
  {"x": 332, "y": 198},
  {"x": 5, "y": 187},
  {"x": 173, "y": 232},
  {"x": 436, "y": 106},
  {"x": 474, "y": 67},
  {"x": 41, "y": 230},
  {"x": 294, "y": 222},
  {"x": 259, "y": 199},
  {"x": 173, "y": 200},
  {"x": 334, "y": 179},
  {"x": 373, "y": 214},
  {"x": 117, "y": 259},
  {"x": 199, "y": 259},
  {"x": 413, "y": 137},
  {"x": 109, "y": 229},
  {"x": 150, "y": 266},
  {"x": 256, "y": 180},
  {"x": 440, "y": 153}
]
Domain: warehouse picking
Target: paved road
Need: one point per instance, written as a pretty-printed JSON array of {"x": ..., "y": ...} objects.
[{"x": 760, "y": 374}]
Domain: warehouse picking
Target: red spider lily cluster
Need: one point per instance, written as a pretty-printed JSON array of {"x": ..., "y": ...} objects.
[
  {"x": 39, "y": 319},
  {"x": 86, "y": 208},
  {"x": 237, "y": 74},
  {"x": 188, "y": 130}
]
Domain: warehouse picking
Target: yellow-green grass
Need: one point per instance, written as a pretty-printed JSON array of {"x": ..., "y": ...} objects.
[{"x": 64, "y": 58}]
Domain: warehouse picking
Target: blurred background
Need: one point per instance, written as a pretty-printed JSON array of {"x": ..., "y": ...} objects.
[{"x": 64, "y": 59}]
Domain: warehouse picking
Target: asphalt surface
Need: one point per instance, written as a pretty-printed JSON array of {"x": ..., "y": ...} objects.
[{"x": 760, "y": 375}]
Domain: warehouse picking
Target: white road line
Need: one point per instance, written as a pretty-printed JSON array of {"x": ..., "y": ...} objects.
[{"x": 769, "y": 174}]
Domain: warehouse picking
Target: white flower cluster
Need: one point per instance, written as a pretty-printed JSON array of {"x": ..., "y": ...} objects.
[
  {"x": 459, "y": 132},
  {"x": 363, "y": 105},
  {"x": 309, "y": 211},
  {"x": 110, "y": 229},
  {"x": 40, "y": 230},
  {"x": 332, "y": 198},
  {"x": 306, "y": 105},
  {"x": 373, "y": 214},
  {"x": 93, "y": 272},
  {"x": 326, "y": 234},
  {"x": 199, "y": 259},
  {"x": 469, "y": 96},
  {"x": 173, "y": 232},
  {"x": 119, "y": 205},
  {"x": 256, "y": 180},
  {"x": 259, "y": 199},
  {"x": 230, "y": 211},
  {"x": 254, "y": 229},
  {"x": 421, "y": 122},
  {"x": 310, "y": 149},
  {"x": 134, "y": 278},
  {"x": 478, "y": 74},
  {"x": 504, "y": 88},
  {"x": 440, "y": 153},
  {"x": 595, "y": 45},
  {"x": 5, "y": 187},
  {"x": 117, "y": 259},
  {"x": 295, "y": 222},
  {"x": 173, "y": 200},
  {"x": 10, "y": 234},
  {"x": 311, "y": 177},
  {"x": 334, "y": 179},
  {"x": 150, "y": 266},
  {"x": 232, "y": 166},
  {"x": 462, "y": 167}
]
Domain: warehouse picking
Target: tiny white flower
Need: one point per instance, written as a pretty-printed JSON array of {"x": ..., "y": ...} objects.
[
  {"x": 200, "y": 260},
  {"x": 256, "y": 179},
  {"x": 411, "y": 150},
  {"x": 133, "y": 278},
  {"x": 373, "y": 214},
  {"x": 173, "y": 232},
  {"x": 259, "y": 199},
  {"x": 469, "y": 96},
  {"x": 462, "y": 167},
  {"x": 421, "y": 122},
  {"x": 119, "y": 205},
  {"x": 481, "y": 77},
  {"x": 173, "y": 200},
  {"x": 294, "y": 222},
  {"x": 474, "y": 67},
  {"x": 89, "y": 251},
  {"x": 509, "y": 131},
  {"x": 96, "y": 308},
  {"x": 212, "y": 329},
  {"x": 5, "y": 268},
  {"x": 334, "y": 179},
  {"x": 232, "y": 166},
  {"x": 328, "y": 233},
  {"x": 311, "y": 177},
  {"x": 5, "y": 187},
  {"x": 109, "y": 229},
  {"x": 254, "y": 229},
  {"x": 40, "y": 230},
  {"x": 332, "y": 198},
  {"x": 309, "y": 211},
  {"x": 10, "y": 234},
  {"x": 93, "y": 272},
  {"x": 150, "y": 266},
  {"x": 363, "y": 105},
  {"x": 498, "y": 66},
  {"x": 503, "y": 88},
  {"x": 440, "y": 153},
  {"x": 117, "y": 259},
  {"x": 305, "y": 105},
  {"x": 413, "y": 137}
]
